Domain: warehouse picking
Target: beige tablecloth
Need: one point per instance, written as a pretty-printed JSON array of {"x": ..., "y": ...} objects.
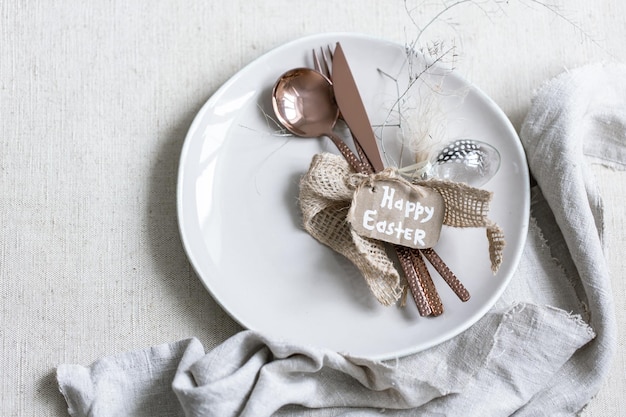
[{"x": 95, "y": 101}]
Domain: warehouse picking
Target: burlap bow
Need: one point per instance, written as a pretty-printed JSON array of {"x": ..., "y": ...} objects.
[{"x": 326, "y": 192}]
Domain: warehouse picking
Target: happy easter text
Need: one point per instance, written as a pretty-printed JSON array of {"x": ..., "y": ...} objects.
[
  {"x": 395, "y": 211},
  {"x": 411, "y": 210}
]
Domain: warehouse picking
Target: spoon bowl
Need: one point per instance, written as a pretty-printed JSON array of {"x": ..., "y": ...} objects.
[{"x": 304, "y": 104}]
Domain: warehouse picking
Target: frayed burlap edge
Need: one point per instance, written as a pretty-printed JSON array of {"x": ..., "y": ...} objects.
[
  {"x": 467, "y": 206},
  {"x": 325, "y": 196},
  {"x": 326, "y": 192}
]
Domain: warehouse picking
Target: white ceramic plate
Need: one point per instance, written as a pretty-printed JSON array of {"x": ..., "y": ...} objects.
[{"x": 240, "y": 221}]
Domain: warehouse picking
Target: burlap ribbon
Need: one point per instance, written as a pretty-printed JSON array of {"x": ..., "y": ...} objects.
[{"x": 326, "y": 192}]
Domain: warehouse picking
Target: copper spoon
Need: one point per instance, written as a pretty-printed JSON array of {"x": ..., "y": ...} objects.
[{"x": 304, "y": 103}]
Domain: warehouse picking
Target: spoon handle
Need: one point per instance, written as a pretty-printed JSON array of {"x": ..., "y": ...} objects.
[{"x": 416, "y": 285}]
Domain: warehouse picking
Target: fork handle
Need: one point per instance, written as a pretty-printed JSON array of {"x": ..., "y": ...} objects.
[
  {"x": 347, "y": 153},
  {"x": 363, "y": 157}
]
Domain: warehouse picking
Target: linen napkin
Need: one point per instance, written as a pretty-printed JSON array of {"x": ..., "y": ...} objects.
[{"x": 544, "y": 349}]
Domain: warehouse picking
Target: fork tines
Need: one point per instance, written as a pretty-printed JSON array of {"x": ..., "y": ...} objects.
[{"x": 323, "y": 66}]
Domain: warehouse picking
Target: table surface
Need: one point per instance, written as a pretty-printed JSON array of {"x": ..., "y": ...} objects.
[{"x": 95, "y": 102}]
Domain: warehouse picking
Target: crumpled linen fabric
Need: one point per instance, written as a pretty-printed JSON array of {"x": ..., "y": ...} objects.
[{"x": 543, "y": 349}]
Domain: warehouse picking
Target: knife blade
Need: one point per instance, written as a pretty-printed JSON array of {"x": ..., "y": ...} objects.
[{"x": 352, "y": 108}]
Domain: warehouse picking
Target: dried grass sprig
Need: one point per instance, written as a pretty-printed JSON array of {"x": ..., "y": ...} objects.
[{"x": 421, "y": 126}]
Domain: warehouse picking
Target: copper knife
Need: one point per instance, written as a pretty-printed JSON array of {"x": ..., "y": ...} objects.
[
  {"x": 352, "y": 108},
  {"x": 354, "y": 114}
]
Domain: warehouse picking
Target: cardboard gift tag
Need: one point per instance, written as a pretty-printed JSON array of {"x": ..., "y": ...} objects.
[{"x": 397, "y": 212}]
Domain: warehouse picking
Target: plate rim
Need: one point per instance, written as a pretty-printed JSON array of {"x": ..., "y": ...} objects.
[{"x": 515, "y": 256}]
